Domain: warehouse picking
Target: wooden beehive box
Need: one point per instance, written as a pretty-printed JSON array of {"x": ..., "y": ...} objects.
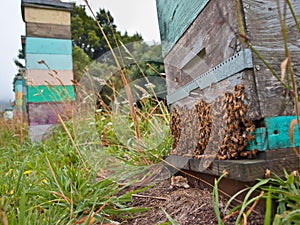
[
  {"x": 225, "y": 101},
  {"x": 48, "y": 61}
]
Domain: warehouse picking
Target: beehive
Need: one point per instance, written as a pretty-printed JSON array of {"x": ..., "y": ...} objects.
[
  {"x": 49, "y": 68},
  {"x": 225, "y": 100}
]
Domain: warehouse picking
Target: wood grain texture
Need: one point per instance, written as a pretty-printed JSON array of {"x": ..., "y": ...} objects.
[
  {"x": 48, "y": 77},
  {"x": 264, "y": 30},
  {"x": 199, "y": 49},
  {"x": 35, "y": 45},
  {"x": 46, "y": 113},
  {"x": 48, "y": 30},
  {"x": 174, "y": 17},
  {"x": 241, "y": 170},
  {"x": 50, "y": 94},
  {"x": 204, "y": 46},
  {"x": 48, "y": 16},
  {"x": 52, "y": 62}
]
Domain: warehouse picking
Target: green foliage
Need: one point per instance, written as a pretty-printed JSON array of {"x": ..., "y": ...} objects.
[
  {"x": 84, "y": 31},
  {"x": 215, "y": 200},
  {"x": 172, "y": 221},
  {"x": 118, "y": 133},
  {"x": 80, "y": 62},
  {"x": 284, "y": 192},
  {"x": 46, "y": 183},
  {"x": 141, "y": 62},
  {"x": 87, "y": 36}
]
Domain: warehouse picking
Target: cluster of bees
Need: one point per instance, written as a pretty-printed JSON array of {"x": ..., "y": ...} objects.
[{"x": 220, "y": 129}]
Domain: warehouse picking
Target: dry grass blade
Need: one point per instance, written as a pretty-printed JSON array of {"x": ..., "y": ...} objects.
[
  {"x": 124, "y": 80},
  {"x": 230, "y": 215},
  {"x": 91, "y": 218},
  {"x": 294, "y": 14},
  {"x": 58, "y": 116},
  {"x": 147, "y": 196},
  {"x": 291, "y": 135},
  {"x": 72, "y": 140},
  {"x": 244, "y": 219},
  {"x": 289, "y": 61},
  {"x": 283, "y": 68},
  {"x": 55, "y": 179},
  {"x": 250, "y": 210},
  {"x": 3, "y": 218}
]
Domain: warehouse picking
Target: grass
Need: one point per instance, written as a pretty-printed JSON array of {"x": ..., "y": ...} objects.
[
  {"x": 283, "y": 193},
  {"x": 47, "y": 183}
]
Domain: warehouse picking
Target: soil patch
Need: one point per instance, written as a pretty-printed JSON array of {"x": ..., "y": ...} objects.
[{"x": 187, "y": 206}]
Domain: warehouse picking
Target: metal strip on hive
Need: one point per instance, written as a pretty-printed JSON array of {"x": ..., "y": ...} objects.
[{"x": 233, "y": 65}]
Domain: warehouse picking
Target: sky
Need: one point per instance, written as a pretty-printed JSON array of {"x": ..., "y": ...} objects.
[{"x": 134, "y": 16}]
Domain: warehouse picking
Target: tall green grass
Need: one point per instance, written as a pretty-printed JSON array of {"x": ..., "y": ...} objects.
[{"x": 46, "y": 183}]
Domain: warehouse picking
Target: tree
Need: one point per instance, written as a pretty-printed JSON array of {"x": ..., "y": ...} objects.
[
  {"x": 84, "y": 31},
  {"x": 87, "y": 35},
  {"x": 80, "y": 62}
]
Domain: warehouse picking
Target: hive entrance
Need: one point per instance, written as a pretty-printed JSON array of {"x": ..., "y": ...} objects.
[{"x": 219, "y": 129}]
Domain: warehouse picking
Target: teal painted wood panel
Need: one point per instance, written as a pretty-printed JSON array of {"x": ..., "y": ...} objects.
[
  {"x": 36, "y": 45},
  {"x": 174, "y": 17},
  {"x": 278, "y": 132},
  {"x": 275, "y": 134},
  {"x": 54, "y": 62},
  {"x": 19, "y": 86},
  {"x": 50, "y": 93}
]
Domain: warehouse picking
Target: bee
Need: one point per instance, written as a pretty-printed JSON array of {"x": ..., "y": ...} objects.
[
  {"x": 219, "y": 157},
  {"x": 234, "y": 154},
  {"x": 244, "y": 154}
]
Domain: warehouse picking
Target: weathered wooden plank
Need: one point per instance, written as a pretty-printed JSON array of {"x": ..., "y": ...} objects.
[
  {"x": 278, "y": 129},
  {"x": 241, "y": 170},
  {"x": 48, "y": 62},
  {"x": 175, "y": 16},
  {"x": 199, "y": 49},
  {"x": 35, "y": 45},
  {"x": 40, "y": 132},
  {"x": 264, "y": 31},
  {"x": 48, "y": 77},
  {"x": 46, "y": 113},
  {"x": 50, "y": 94},
  {"x": 48, "y": 30},
  {"x": 204, "y": 46},
  {"x": 48, "y": 16},
  {"x": 277, "y": 154}
]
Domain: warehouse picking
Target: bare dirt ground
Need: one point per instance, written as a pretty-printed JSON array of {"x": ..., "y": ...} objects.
[{"x": 187, "y": 206}]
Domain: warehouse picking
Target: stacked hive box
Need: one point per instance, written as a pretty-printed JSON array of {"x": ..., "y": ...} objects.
[
  {"x": 222, "y": 95},
  {"x": 18, "y": 89},
  {"x": 48, "y": 59}
]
